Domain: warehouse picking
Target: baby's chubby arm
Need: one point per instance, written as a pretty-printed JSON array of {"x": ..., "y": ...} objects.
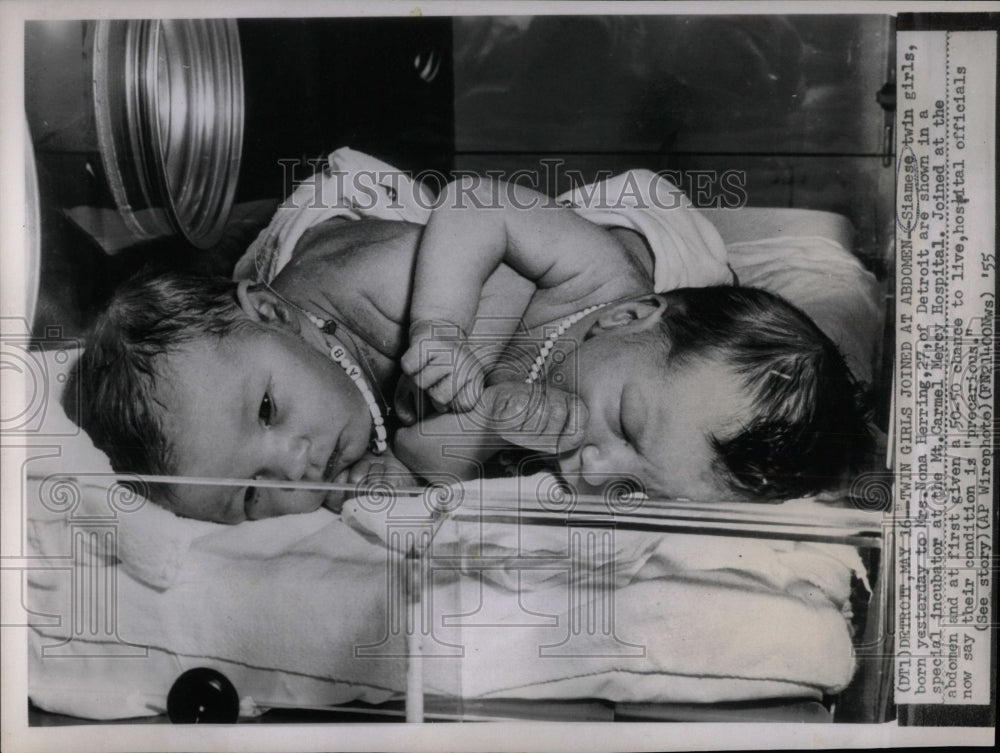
[{"x": 478, "y": 224}]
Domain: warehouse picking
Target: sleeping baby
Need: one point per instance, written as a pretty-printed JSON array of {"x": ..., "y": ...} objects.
[{"x": 539, "y": 324}]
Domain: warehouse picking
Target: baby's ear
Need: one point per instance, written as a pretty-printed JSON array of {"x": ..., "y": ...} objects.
[
  {"x": 631, "y": 316},
  {"x": 265, "y": 306}
]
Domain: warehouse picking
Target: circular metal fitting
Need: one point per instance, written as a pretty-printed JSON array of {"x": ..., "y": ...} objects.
[{"x": 168, "y": 101}]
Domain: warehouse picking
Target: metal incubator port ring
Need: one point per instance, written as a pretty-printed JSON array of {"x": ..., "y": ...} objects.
[
  {"x": 168, "y": 101},
  {"x": 32, "y": 227}
]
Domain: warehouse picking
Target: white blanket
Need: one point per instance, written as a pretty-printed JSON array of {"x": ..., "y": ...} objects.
[
  {"x": 294, "y": 600},
  {"x": 130, "y": 596}
]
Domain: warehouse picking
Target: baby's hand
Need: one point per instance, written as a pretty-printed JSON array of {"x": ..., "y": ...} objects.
[
  {"x": 534, "y": 416},
  {"x": 441, "y": 362},
  {"x": 374, "y": 469}
]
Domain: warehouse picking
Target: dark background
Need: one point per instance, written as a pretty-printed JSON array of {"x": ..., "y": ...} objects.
[{"x": 789, "y": 101}]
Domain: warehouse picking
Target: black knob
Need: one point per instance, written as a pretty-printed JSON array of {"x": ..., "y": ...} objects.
[
  {"x": 886, "y": 97},
  {"x": 203, "y": 696}
]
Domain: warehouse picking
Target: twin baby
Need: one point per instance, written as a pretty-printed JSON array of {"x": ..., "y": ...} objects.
[{"x": 507, "y": 319}]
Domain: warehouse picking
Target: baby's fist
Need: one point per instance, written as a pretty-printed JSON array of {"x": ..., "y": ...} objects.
[
  {"x": 534, "y": 416},
  {"x": 385, "y": 469},
  {"x": 441, "y": 362}
]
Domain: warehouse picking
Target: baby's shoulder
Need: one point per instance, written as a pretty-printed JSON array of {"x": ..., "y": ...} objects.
[
  {"x": 355, "y": 242},
  {"x": 350, "y": 255},
  {"x": 362, "y": 269}
]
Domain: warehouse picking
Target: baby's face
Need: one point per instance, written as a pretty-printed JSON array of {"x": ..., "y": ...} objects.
[
  {"x": 648, "y": 424},
  {"x": 262, "y": 404}
]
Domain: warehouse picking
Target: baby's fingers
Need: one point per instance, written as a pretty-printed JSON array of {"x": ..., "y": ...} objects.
[
  {"x": 431, "y": 341},
  {"x": 434, "y": 366},
  {"x": 373, "y": 473},
  {"x": 509, "y": 407},
  {"x": 430, "y": 362},
  {"x": 460, "y": 390},
  {"x": 562, "y": 420},
  {"x": 407, "y": 401},
  {"x": 410, "y": 362},
  {"x": 365, "y": 470},
  {"x": 564, "y": 416},
  {"x": 536, "y": 417}
]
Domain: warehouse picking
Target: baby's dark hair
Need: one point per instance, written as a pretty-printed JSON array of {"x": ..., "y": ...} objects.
[
  {"x": 115, "y": 378},
  {"x": 809, "y": 426}
]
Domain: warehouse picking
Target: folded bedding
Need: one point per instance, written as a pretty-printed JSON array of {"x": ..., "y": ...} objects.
[{"x": 309, "y": 609}]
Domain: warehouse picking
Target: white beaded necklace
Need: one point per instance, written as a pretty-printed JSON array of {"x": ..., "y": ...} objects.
[
  {"x": 340, "y": 356},
  {"x": 565, "y": 324}
]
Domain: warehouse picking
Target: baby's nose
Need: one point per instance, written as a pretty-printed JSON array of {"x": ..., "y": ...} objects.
[
  {"x": 595, "y": 464},
  {"x": 608, "y": 468},
  {"x": 293, "y": 458}
]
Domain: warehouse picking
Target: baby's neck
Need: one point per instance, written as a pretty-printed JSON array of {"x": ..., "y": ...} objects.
[{"x": 327, "y": 332}]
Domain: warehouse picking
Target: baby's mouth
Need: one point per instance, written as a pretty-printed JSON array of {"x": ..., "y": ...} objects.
[
  {"x": 566, "y": 465},
  {"x": 330, "y": 471},
  {"x": 566, "y": 476}
]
